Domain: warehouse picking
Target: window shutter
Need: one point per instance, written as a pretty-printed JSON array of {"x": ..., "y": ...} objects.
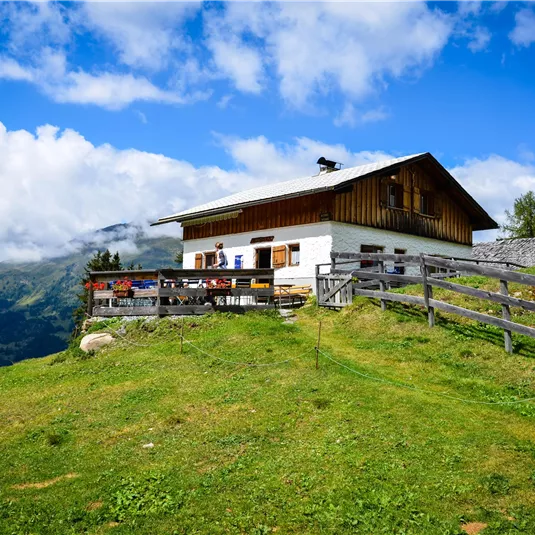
[
  {"x": 278, "y": 258},
  {"x": 438, "y": 205},
  {"x": 384, "y": 192},
  {"x": 198, "y": 261},
  {"x": 416, "y": 200},
  {"x": 406, "y": 197}
]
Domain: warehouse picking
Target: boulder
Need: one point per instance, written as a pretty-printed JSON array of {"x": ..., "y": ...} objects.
[{"x": 92, "y": 342}]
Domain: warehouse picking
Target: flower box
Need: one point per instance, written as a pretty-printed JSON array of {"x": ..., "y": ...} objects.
[
  {"x": 216, "y": 292},
  {"x": 123, "y": 293}
]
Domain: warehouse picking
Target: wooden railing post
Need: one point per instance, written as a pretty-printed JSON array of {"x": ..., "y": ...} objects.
[
  {"x": 159, "y": 278},
  {"x": 90, "y": 297},
  {"x": 506, "y": 315},
  {"x": 382, "y": 284},
  {"x": 428, "y": 291}
]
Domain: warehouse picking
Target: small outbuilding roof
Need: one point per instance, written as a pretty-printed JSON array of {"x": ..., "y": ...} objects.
[
  {"x": 320, "y": 183},
  {"x": 519, "y": 251}
]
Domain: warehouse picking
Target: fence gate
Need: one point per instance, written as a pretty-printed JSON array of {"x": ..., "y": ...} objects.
[{"x": 334, "y": 290}]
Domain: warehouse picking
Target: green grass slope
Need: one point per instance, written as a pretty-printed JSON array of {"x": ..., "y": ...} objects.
[{"x": 281, "y": 448}]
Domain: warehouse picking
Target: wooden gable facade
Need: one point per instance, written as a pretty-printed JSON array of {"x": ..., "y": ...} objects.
[{"x": 415, "y": 199}]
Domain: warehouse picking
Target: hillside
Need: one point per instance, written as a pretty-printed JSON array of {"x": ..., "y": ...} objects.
[
  {"x": 37, "y": 298},
  {"x": 142, "y": 439}
]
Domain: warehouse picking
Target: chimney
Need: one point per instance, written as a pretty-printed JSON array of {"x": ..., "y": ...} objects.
[{"x": 328, "y": 166}]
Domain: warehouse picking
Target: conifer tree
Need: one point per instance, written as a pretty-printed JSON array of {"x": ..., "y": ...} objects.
[
  {"x": 521, "y": 223},
  {"x": 101, "y": 261}
]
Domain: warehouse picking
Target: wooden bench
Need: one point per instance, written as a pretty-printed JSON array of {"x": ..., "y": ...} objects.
[{"x": 290, "y": 294}]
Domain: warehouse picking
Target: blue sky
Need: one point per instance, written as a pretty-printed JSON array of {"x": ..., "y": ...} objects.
[{"x": 155, "y": 107}]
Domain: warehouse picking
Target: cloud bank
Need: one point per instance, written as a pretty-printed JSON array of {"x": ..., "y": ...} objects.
[
  {"x": 177, "y": 53},
  {"x": 57, "y": 186}
]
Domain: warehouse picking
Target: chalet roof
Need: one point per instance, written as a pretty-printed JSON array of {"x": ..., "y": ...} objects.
[
  {"x": 519, "y": 250},
  {"x": 317, "y": 184}
]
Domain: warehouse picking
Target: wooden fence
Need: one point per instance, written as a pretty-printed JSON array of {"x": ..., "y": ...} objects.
[
  {"x": 337, "y": 288},
  {"x": 181, "y": 291}
]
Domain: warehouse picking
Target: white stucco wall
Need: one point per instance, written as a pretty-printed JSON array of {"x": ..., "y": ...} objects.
[
  {"x": 316, "y": 243},
  {"x": 349, "y": 238}
]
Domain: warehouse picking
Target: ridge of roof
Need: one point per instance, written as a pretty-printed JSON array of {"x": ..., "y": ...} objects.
[{"x": 289, "y": 188}]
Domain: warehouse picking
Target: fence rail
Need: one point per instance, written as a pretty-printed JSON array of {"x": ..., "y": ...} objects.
[
  {"x": 181, "y": 291},
  {"x": 337, "y": 288}
]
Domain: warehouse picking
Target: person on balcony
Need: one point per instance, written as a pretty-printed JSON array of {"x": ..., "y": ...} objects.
[{"x": 221, "y": 256}]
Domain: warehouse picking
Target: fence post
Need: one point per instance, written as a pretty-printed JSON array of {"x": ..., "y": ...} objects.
[
  {"x": 428, "y": 291},
  {"x": 317, "y": 284},
  {"x": 382, "y": 284},
  {"x": 90, "y": 297},
  {"x": 318, "y": 346},
  {"x": 506, "y": 315}
]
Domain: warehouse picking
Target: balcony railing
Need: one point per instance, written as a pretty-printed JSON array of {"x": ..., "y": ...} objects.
[{"x": 181, "y": 291}]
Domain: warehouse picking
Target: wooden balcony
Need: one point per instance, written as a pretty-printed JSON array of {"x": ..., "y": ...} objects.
[{"x": 167, "y": 292}]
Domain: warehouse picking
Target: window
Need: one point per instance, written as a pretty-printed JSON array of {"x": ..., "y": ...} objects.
[
  {"x": 209, "y": 260},
  {"x": 399, "y": 267},
  {"x": 263, "y": 258},
  {"x": 370, "y": 249},
  {"x": 395, "y": 195},
  {"x": 427, "y": 204},
  {"x": 295, "y": 254}
]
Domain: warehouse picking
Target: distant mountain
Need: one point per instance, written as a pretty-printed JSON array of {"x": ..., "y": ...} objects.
[{"x": 37, "y": 299}]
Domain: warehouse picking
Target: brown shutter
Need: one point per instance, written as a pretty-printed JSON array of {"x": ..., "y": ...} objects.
[
  {"x": 278, "y": 256},
  {"x": 431, "y": 202},
  {"x": 198, "y": 261},
  {"x": 384, "y": 193},
  {"x": 406, "y": 197},
  {"x": 438, "y": 205},
  {"x": 416, "y": 200}
]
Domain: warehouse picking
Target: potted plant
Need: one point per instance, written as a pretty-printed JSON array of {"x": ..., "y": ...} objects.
[
  {"x": 95, "y": 285},
  {"x": 218, "y": 287},
  {"x": 123, "y": 288}
]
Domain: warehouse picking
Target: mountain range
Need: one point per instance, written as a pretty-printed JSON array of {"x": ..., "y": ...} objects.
[{"x": 37, "y": 298}]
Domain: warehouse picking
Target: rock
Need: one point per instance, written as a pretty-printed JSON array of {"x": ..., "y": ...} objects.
[{"x": 92, "y": 342}]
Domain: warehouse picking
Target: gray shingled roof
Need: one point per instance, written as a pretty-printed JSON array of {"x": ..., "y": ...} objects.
[
  {"x": 281, "y": 190},
  {"x": 519, "y": 250}
]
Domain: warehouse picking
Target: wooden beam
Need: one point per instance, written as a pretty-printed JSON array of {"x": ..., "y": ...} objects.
[
  {"x": 484, "y": 318},
  {"x": 503, "y": 299},
  {"x": 501, "y": 274},
  {"x": 401, "y": 298}
]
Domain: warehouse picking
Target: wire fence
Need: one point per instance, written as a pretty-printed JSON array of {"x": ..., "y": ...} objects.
[{"x": 319, "y": 351}]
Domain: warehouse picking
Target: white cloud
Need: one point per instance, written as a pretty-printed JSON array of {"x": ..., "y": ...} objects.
[
  {"x": 11, "y": 70},
  {"x": 144, "y": 34},
  {"x": 479, "y": 39},
  {"x": 224, "y": 101},
  {"x": 109, "y": 90},
  {"x": 350, "y": 116},
  {"x": 469, "y": 7},
  {"x": 29, "y": 24},
  {"x": 56, "y": 185},
  {"x": 495, "y": 182},
  {"x": 352, "y": 50},
  {"x": 238, "y": 62},
  {"x": 323, "y": 47},
  {"x": 523, "y": 33}
]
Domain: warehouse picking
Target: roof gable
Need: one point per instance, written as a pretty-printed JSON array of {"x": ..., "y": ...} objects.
[{"x": 324, "y": 182}]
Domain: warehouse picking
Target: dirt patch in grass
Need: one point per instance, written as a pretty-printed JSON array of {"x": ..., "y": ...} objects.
[
  {"x": 93, "y": 506},
  {"x": 44, "y": 484},
  {"x": 473, "y": 528}
]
